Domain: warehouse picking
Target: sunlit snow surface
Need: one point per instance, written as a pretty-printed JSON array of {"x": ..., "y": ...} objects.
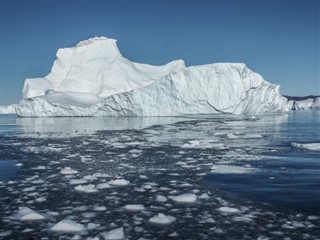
[{"x": 146, "y": 179}]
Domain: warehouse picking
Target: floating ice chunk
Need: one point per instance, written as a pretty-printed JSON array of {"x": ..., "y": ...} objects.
[
  {"x": 99, "y": 208},
  {"x": 39, "y": 168},
  {"x": 90, "y": 188},
  {"x": 244, "y": 218},
  {"x": 76, "y": 237},
  {"x": 41, "y": 199},
  {"x": 19, "y": 165},
  {"x": 116, "y": 234},
  {"x": 231, "y": 136},
  {"x": 27, "y": 214},
  {"x": 67, "y": 225},
  {"x": 228, "y": 210},
  {"x": 91, "y": 226},
  {"x": 5, "y": 233},
  {"x": 29, "y": 189},
  {"x": 307, "y": 146},
  {"x": 103, "y": 185},
  {"x": 119, "y": 182},
  {"x": 204, "y": 196},
  {"x": 90, "y": 178},
  {"x": 77, "y": 181},
  {"x": 134, "y": 207},
  {"x": 162, "y": 219},
  {"x": 202, "y": 144},
  {"x": 68, "y": 171},
  {"x": 161, "y": 198},
  {"x": 185, "y": 198},
  {"x": 229, "y": 169},
  {"x": 252, "y": 136}
]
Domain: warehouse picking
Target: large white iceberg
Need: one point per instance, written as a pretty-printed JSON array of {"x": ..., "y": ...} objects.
[{"x": 94, "y": 79}]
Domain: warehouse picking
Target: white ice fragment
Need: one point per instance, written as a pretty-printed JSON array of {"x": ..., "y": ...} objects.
[
  {"x": 91, "y": 226},
  {"x": 231, "y": 136},
  {"x": 185, "y": 198},
  {"x": 229, "y": 169},
  {"x": 77, "y": 181},
  {"x": 134, "y": 207},
  {"x": 27, "y": 214},
  {"x": 5, "y": 233},
  {"x": 90, "y": 178},
  {"x": 116, "y": 234},
  {"x": 161, "y": 198},
  {"x": 307, "y": 146},
  {"x": 67, "y": 225},
  {"x": 119, "y": 182},
  {"x": 228, "y": 210},
  {"x": 39, "y": 168},
  {"x": 29, "y": 189},
  {"x": 103, "y": 185},
  {"x": 204, "y": 196},
  {"x": 99, "y": 208},
  {"x": 90, "y": 188},
  {"x": 252, "y": 136},
  {"x": 162, "y": 219},
  {"x": 41, "y": 199},
  {"x": 68, "y": 171}
]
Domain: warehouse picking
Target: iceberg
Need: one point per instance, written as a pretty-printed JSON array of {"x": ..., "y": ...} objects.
[
  {"x": 94, "y": 79},
  {"x": 9, "y": 109},
  {"x": 302, "y": 103}
]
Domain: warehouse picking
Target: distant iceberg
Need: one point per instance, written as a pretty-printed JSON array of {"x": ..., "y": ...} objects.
[{"x": 94, "y": 79}]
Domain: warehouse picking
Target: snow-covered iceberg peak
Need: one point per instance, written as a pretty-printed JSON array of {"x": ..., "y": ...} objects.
[{"x": 96, "y": 66}]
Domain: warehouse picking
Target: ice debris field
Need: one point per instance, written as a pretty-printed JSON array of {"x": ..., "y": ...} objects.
[{"x": 143, "y": 183}]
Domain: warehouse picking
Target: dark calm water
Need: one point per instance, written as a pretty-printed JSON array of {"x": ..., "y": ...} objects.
[
  {"x": 235, "y": 177},
  {"x": 291, "y": 178}
]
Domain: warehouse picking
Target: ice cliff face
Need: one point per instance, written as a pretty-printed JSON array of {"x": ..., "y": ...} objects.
[{"x": 94, "y": 79}]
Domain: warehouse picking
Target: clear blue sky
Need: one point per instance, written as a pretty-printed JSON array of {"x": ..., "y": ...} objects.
[{"x": 278, "y": 39}]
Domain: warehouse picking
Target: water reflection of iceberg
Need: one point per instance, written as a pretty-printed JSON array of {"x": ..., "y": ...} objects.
[{"x": 88, "y": 124}]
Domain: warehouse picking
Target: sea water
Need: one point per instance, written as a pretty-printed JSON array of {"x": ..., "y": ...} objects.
[{"x": 193, "y": 177}]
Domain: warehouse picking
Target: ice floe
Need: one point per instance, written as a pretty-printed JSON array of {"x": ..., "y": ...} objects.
[
  {"x": 307, "y": 146},
  {"x": 116, "y": 234},
  {"x": 90, "y": 188},
  {"x": 119, "y": 182},
  {"x": 67, "y": 225},
  {"x": 27, "y": 214},
  {"x": 134, "y": 207},
  {"x": 228, "y": 210},
  {"x": 230, "y": 169},
  {"x": 162, "y": 219},
  {"x": 68, "y": 171},
  {"x": 185, "y": 198}
]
